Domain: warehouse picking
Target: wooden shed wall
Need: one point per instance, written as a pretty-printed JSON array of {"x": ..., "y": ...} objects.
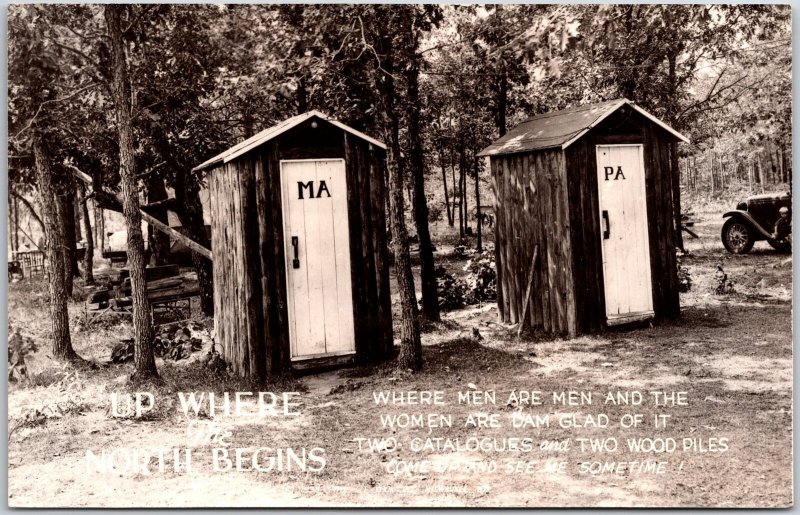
[
  {"x": 532, "y": 207},
  {"x": 624, "y": 126},
  {"x": 251, "y": 315}
]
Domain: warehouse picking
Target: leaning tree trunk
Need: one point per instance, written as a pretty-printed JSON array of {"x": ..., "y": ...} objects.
[
  {"x": 144, "y": 361},
  {"x": 62, "y": 344},
  {"x": 430, "y": 297},
  {"x": 88, "y": 256},
  {"x": 444, "y": 184}
]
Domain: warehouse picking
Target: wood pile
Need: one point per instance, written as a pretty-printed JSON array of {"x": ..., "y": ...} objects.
[{"x": 164, "y": 283}]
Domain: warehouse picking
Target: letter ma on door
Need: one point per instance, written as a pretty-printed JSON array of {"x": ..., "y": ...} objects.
[{"x": 301, "y": 267}]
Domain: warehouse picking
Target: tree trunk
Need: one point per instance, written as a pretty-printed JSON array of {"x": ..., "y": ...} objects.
[
  {"x": 502, "y": 101},
  {"x": 100, "y": 226},
  {"x": 71, "y": 230},
  {"x": 410, "y": 356},
  {"x": 464, "y": 175},
  {"x": 67, "y": 223},
  {"x": 88, "y": 256},
  {"x": 158, "y": 241},
  {"x": 785, "y": 166},
  {"x": 460, "y": 192},
  {"x": 190, "y": 212},
  {"x": 444, "y": 182},
  {"x": 478, "y": 227},
  {"x": 30, "y": 208},
  {"x": 430, "y": 296},
  {"x": 455, "y": 188},
  {"x": 672, "y": 58},
  {"x": 54, "y": 235},
  {"x": 15, "y": 227},
  {"x": 76, "y": 210},
  {"x": 144, "y": 361},
  {"x": 302, "y": 95}
]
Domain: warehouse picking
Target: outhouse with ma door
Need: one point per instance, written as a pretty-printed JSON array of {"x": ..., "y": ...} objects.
[
  {"x": 298, "y": 227},
  {"x": 591, "y": 188}
]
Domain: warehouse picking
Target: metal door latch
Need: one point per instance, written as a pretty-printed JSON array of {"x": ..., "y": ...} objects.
[{"x": 296, "y": 260}]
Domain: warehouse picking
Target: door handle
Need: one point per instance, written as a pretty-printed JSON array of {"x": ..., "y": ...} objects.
[
  {"x": 607, "y": 230},
  {"x": 296, "y": 260}
]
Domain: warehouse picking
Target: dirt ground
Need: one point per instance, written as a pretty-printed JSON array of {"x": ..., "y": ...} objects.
[{"x": 731, "y": 353}]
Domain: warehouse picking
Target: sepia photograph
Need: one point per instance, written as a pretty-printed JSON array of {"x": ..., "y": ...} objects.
[{"x": 399, "y": 255}]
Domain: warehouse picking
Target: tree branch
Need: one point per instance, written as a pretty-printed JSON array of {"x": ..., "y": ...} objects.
[
  {"x": 27, "y": 204},
  {"x": 52, "y": 101},
  {"x": 75, "y": 51}
]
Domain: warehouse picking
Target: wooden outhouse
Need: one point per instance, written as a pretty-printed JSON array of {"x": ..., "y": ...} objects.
[
  {"x": 298, "y": 227},
  {"x": 591, "y": 187}
]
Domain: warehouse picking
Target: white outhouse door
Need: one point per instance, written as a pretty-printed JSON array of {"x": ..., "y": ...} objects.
[
  {"x": 317, "y": 247},
  {"x": 625, "y": 241}
]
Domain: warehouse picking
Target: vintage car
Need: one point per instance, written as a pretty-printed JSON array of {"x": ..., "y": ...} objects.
[{"x": 754, "y": 220}]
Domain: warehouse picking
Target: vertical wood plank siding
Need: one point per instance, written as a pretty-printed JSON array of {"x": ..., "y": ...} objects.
[
  {"x": 251, "y": 315},
  {"x": 532, "y": 207},
  {"x": 550, "y": 197}
]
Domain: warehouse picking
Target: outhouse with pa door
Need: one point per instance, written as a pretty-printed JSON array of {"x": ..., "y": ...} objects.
[
  {"x": 591, "y": 188},
  {"x": 298, "y": 227}
]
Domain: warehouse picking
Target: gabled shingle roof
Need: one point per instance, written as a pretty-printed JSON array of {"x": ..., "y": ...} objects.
[
  {"x": 274, "y": 131},
  {"x": 562, "y": 128}
]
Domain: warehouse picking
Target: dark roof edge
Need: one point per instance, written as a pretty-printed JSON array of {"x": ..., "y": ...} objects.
[
  {"x": 271, "y": 133},
  {"x": 579, "y": 134}
]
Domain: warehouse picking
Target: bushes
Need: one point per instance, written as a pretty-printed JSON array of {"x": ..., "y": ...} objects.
[
  {"x": 478, "y": 285},
  {"x": 481, "y": 278},
  {"x": 19, "y": 348},
  {"x": 451, "y": 291}
]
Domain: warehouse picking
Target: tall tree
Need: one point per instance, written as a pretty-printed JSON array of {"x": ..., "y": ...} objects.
[
  {"x": 37, "y": 83},
  {"x": 144, "y": 360},
  {"x": 387, "y": 44},
  {"x": 430, "y": 295},
  {"x": 54, "y": 234}
]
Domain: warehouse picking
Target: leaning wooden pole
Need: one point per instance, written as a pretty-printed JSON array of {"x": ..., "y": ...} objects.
[
  {"x": 155, "y": 222},
  {"x": 528, "y": 289}
]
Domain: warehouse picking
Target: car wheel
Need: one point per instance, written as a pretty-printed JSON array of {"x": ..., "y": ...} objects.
[
  {"x": 784, "y": 247},
  {"x": 737, "y": 236}
]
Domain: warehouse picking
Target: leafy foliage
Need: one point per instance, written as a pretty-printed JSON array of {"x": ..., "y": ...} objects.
[
  {"x": 481, "y": 278},
  {"x": 19, "y": 349},
  {"x": 452, "y": 291}
]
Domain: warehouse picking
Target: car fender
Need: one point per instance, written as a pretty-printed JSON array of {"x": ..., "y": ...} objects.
[{"x": 744, "y": 216}]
